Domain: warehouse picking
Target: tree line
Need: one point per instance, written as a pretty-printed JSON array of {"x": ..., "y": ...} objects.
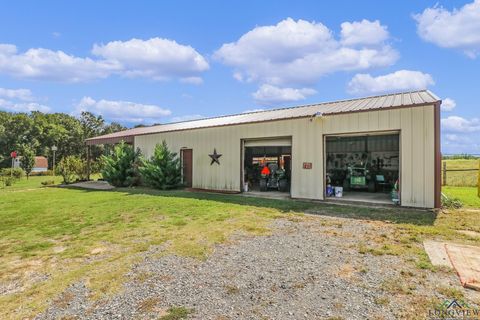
[{"x": 37, "y": 132}]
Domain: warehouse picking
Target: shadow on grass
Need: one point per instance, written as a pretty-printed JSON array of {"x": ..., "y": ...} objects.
[{"x": 390, "y": 214}]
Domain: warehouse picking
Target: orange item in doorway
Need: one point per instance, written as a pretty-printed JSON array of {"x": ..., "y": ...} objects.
[{"x": 265, "y": 171}]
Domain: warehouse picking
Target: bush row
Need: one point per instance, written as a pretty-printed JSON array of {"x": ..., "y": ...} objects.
[{"x": 126, "y": 167}]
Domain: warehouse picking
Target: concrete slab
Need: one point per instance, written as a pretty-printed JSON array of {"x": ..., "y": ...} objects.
[
  {"x": 93, "y": 185},
  {"x": 437, "y": 253},
  {"x": 466, "y": 261},
  {"x": 361, "y": 196},
  {"x": 267, "y": 194}
]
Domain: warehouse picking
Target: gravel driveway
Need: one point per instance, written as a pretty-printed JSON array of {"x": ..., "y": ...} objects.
[{"x": 306, "y": 269}]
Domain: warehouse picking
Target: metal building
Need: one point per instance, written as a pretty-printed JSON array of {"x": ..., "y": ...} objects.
[{"x": 374, "y": 149}]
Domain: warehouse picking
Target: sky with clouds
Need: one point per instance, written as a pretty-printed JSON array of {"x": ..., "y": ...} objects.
[{"x": 155, "y": 62}]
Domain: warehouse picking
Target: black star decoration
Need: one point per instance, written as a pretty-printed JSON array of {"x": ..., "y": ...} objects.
[{"x": 215, "y": 156}]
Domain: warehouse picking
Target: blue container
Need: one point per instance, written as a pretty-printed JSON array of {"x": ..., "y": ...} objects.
[{"x": 329, "y": 191}]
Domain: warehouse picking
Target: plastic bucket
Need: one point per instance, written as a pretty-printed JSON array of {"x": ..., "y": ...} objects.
[
  {"x": 329, "y": 191},
  {"x": 338, "y": 192}
]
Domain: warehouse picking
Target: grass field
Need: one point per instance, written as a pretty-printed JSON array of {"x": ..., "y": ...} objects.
[
  {"x": 461, "y": 178},
  {"x": 51, "y": 237},
  {"x": 468, "y": 195}
]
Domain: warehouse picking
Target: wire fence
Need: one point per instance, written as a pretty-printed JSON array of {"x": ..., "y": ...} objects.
[{"x": 460, "y": 173}]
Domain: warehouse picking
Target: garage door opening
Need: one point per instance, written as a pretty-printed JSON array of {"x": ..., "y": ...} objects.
[
  {"x": 363, "y": 168},
  {"x": 267, "y": 166}
]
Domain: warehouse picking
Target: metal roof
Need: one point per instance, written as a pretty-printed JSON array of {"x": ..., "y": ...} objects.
[{"x": 388, "y": 101}]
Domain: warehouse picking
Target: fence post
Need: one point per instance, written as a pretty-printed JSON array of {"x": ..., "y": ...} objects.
[
  {"x": 478, "y": 177},
  {"x": 444, "y": 175}
]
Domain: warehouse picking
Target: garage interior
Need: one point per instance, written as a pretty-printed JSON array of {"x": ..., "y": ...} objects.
[
  {"x": 267, "y": 166},
  {"x": 363, "y": 167}
]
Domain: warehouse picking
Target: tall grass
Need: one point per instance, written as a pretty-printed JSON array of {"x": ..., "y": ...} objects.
[{"x": 461, "y": 178}]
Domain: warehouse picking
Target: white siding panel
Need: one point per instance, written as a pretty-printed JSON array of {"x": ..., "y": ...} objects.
[
  {"x": 418, "y": 155},
  {"x": 406, "y": 157},
  {"x": 416, "y": 126}
]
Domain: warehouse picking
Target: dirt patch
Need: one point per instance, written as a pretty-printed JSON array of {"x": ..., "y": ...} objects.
[
  {"x": 472, "y": 234},
  {"x": 98, "y": 250}
]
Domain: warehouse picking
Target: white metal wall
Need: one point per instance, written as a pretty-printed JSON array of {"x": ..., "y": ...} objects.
[{"x": 416, "y": 125}]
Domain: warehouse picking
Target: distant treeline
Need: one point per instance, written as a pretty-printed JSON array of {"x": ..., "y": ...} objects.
[
  {"x": 40, "y": 131},
  {"x": 465, "y": 156}
]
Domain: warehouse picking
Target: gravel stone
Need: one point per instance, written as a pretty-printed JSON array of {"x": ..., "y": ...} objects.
[{"x": 303, "y": 270}]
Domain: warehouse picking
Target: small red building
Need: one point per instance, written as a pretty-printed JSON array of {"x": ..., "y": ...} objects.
[{"x": 41, "y": 163}]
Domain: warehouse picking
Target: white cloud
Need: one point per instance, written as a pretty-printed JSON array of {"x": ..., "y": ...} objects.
[
  {"x": 460, "y": 135},
  {"x": 20, "y": 100},
  {"x": 300, "y": 52},
  {"x": 399, "y": 80},
  {"x": 456, "y": 124},
  {"x": 455, "y": 143},
  {"x": 268, "y": 94},
  {"x": 192, "y": 80},
  {"x": 26, "y": 107},
  {"x": 187, "y": 117},
  {"x": 363, "y": 32},
  {"x": 21, "y": 94},
  {"x": 123, "y": 111},
  {"x": 448, "y": 104},
  {"x": 155, "y": 58},
  {"x": 459, "y": 28},
  {"x": 253, "y": 110},
  {"x": 52, "y": 65}
]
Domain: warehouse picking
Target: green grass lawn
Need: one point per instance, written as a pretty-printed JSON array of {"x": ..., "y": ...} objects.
[
  {"x": 468, "y": 195},
  {"x": 71, "y": 234},
  {"x": 461, "y": 178}
]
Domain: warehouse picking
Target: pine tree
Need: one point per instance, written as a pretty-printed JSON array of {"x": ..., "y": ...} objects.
[
  {"x": 162, "y": 171},
  {"x": 120, "y": 168}
]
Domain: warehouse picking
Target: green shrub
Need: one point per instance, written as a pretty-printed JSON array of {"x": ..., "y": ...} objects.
[
  {"x": 7, "y": 181},
  {"x": 96, "y": 166},
  {"x": 16, "y": 172},
  {"x": 48, "y": 182},
  {"x": 451, "y": 203},
  {"x": 120, "y": 168},
  {"x": 68, "y": 168},
  {"x": 162, "y": 171},
  {"x": 28, "y": 160},
  {"x": 81, "y": 169}
]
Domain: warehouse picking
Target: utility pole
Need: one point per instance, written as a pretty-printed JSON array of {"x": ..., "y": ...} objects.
[
  {"x": 13, "y": 154},
  {"x": 54, "y": 149}
]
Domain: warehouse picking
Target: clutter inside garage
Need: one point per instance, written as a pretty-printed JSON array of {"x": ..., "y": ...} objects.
[
  {"x": 267, "y": 168},
  {"x": 363, "y": 168}
]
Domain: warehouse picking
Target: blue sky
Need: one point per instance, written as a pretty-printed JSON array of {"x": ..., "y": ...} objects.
[{"x": 156, "y": 62}]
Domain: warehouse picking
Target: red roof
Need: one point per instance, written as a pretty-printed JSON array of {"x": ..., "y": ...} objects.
[{"x": 41, "y": 162}]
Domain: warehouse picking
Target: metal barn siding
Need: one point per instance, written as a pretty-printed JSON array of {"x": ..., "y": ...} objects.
[{"x": 417, "y": 149}]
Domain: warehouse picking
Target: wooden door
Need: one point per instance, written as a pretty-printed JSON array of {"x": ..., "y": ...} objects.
[{"x": 187, "y": 167}]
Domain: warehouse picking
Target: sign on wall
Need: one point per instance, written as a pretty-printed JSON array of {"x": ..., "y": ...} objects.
[{"x": 307, "y": 165}]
